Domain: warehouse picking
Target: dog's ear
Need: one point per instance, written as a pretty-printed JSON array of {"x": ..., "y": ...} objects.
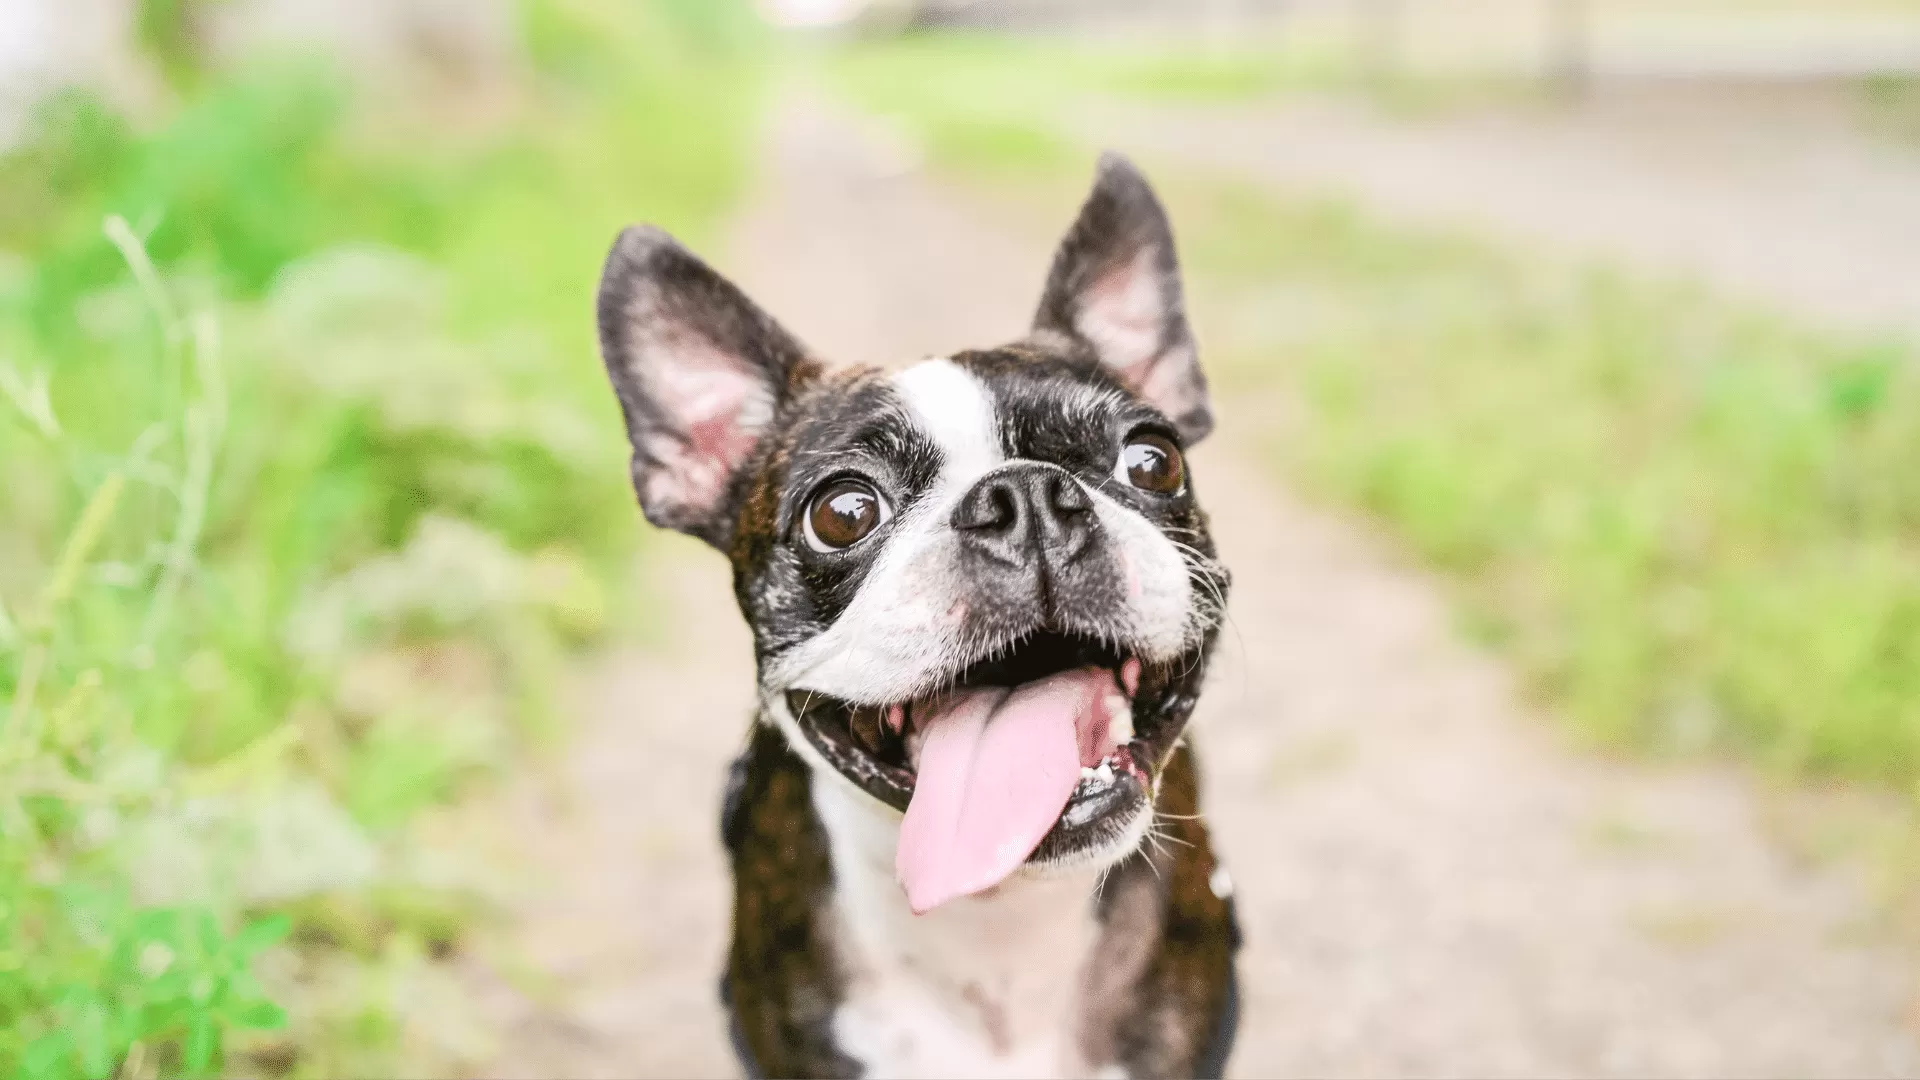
[
  {"x": 1115, "y": 286},
  {"x": 700, "y": 372}
]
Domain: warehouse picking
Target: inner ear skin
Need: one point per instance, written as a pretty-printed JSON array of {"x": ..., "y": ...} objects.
[
  {"x": 697, "y": 369},
  {"x": 1114, "y": 290}
]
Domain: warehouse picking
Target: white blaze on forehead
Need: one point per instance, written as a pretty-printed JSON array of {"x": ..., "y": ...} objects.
[{"x": 953, "y": 407}]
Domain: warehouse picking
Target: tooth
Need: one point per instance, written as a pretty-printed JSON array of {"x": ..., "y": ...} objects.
[
  {"x": 1086, "y": 773},
  {"x": 1119, "y": 719},
  {"x": 1130, "y": 675},
  {"x": 1105, "y": 772},
  {"x": 896, "y": 718}
]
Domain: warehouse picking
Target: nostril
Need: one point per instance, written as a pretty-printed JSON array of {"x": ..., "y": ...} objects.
[
  {"x": 1028, "y": 498},
  {"x": 990, "y": 508},
  {"x": 1005, "y": 509}
]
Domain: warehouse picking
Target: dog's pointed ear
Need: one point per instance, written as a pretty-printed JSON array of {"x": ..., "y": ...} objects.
[
  {"x": 1115, "y": 286},
  {"x": 700, "y": 372}
]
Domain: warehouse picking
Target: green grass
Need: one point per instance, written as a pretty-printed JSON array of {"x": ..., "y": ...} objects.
[
  {"x": 308, "y": 484},
  {"x": 974, "y": 95},
  {"x": 1890, "y": 106},
  {"x": 1695, "y": 528}
]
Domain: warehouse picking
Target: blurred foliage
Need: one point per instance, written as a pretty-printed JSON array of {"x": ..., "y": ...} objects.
[
  {"x": 988, "y": 87},
  {"x": 974, "y": 96},
  {"x": 1892, "y": 106},
  {"x": 173, "y": 34},
  {"x": 1696, "y": 527},
  {"x": 308, "y": 481}
]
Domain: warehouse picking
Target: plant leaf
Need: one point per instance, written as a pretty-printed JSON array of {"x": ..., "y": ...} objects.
[
  {"x": 259, "y": 1014},
  {"x": 203, "y": 1041},
  {"x": 48, "y": 1057},
  {"x": 89, "y": 1027},
  {"x": 258, "y": 935},
  {"x": 32, "y": 399}
]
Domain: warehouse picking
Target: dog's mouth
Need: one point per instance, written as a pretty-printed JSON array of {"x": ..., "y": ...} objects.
[{"x": 985, "y": 760}]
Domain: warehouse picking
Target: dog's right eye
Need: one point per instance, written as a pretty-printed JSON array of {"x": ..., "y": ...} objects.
[
  {"x": 1152, "y": 463},
  {"x": 842, "y": 513}
]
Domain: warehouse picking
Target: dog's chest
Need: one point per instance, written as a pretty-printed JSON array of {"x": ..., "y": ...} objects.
[
  {"x": 957, "y": 994},
  {"x": 987, "y": 986}
]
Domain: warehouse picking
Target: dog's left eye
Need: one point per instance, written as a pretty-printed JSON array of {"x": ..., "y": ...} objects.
[
  {"x": 1152, "y": 463},
  {"x": 842, "y": 513}
]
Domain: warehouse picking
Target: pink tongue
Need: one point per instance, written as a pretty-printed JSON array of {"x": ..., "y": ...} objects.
[{"x": 996, "y": 769}]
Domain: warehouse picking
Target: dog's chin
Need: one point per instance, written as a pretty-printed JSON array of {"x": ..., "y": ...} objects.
[
  {"x": 1110, "y": 812},
  {"x": 1114, "y": 834}
]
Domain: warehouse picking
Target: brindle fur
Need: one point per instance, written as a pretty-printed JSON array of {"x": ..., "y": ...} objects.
[{"x": 781, "y": 982}]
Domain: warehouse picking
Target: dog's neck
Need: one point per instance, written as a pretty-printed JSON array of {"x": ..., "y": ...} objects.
[{"x": 984, "y": 985}]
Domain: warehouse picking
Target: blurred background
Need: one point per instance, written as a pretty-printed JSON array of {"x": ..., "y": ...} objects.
[{"x": 351, "y": 723}]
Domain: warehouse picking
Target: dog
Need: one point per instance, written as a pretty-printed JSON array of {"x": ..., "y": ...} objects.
[{"x": 965, "y": 829}]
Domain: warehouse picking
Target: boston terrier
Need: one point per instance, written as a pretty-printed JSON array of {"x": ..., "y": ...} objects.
[{"x": 965, "y": 829}]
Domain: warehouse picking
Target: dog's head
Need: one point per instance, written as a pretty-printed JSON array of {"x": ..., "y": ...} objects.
[{"x": 981, "y": 588}]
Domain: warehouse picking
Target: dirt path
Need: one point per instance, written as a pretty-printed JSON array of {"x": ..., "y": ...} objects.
[
  {"x": 1775, "y": 195},
  {"x": 1429, "y": 885}
]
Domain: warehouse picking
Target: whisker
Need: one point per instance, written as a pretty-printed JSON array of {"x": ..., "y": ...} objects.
[{"x": 1163, "y": 836}]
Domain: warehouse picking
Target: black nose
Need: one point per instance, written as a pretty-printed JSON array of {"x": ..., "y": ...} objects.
[{"x": 1027, "y": 511}]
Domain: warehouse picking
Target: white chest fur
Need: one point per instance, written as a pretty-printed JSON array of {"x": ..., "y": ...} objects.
[{"x": 986, "y": 986}]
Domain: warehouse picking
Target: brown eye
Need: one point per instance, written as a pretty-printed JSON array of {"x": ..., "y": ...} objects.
[
  {"x": 1152, "y": 463},
  {"x": 842, "y": 514}
]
